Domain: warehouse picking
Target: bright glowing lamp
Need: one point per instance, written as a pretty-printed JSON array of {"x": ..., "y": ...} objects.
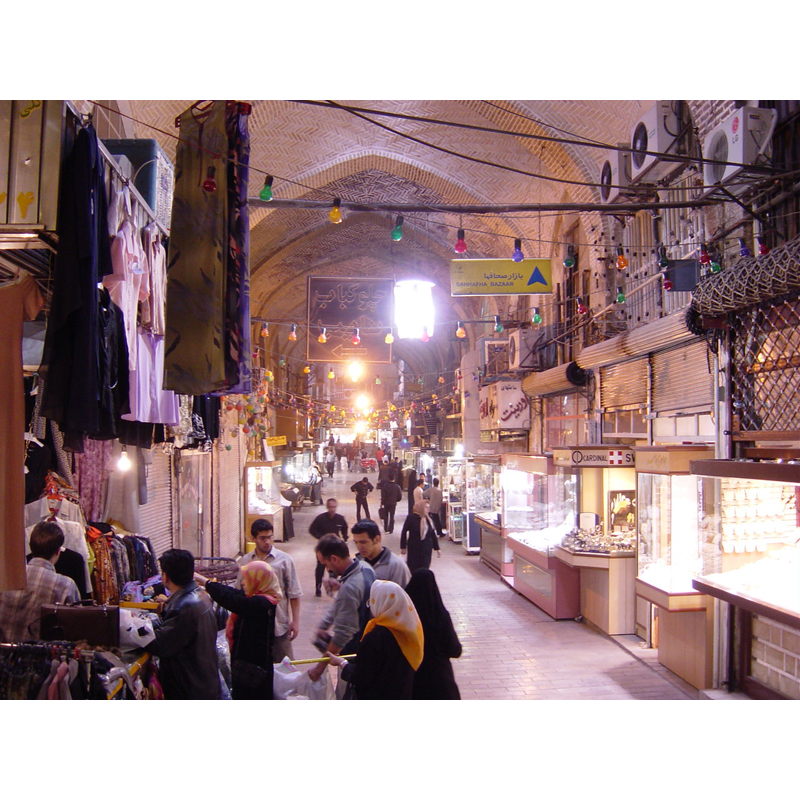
[{"x": 413, "y": 309}]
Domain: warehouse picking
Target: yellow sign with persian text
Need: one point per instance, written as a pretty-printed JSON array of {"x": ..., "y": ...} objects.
[
  {"x": 275, "y": 441},
  {"x": 498, "y": 276}
]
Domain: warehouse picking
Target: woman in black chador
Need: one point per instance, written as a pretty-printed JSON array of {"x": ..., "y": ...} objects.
[{"x": 434, "y": 678}]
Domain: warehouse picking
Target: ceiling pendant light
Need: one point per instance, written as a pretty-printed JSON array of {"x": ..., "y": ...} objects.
[
  {"x": 425, "y": 337},
  {"x": 388, "y": 339},
  {"x": 322, "y": 338},
  {"x": 266, "y": 190},
  {"x": 569, "y": 258},
  {"x": 281, "y": 362},
  {"x": 517, "y": 255},
  {"x": 537, "y": 317},
  {"x": 620, "y": 296},
  {"x": 331, "y": 375},
  {"x": 663, "y": 261},
  {"x": 498, "y": 326},
  {"x": 293, "y": 333},
  {"x": 666, "y": 283},
  {"x": 763, "y": 248},
  {"x": 582, "y": 309},
  {"x": 397, "y": 231},
  {"x": 356, "y": 340},
  {"x": 265, "y": 329},
  {"x": 460, "y": 331},
  {"x": 622, "y": 262},
  {"x": 461, "y": 242},
  {"x": 705, "y": 258},
  {"x": 306, "y": 369},
  {"x": 744, "y": 250},
  {"x": 335, "y": 215}
]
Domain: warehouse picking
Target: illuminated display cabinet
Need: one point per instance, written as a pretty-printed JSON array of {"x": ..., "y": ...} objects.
[
  {"x": 453, "y": 490},
  {"x": 601, "y": 546},
  {"x": 482, "y": 488},
  {"x": 262, "y": 498},
  {"x": 671, "y": 615},
  {"x": 749, "y": 527},
  {"x": 538, "y": 510}
]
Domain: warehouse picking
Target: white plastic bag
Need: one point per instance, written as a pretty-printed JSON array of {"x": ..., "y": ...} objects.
[
  {"x": 135, "y": 630},
  {"x": 290, "y": 683}
]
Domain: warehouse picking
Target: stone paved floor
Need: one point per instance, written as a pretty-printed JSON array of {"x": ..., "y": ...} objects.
[{"x": 512, "y": 649}]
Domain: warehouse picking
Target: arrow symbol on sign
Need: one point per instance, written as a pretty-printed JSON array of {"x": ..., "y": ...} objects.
[{"x": 537, "y": 277}]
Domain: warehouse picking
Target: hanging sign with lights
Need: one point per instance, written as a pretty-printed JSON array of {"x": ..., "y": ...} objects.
[
  {"x": 499, "y": 276},
  {"x": 355, "y": 315}
]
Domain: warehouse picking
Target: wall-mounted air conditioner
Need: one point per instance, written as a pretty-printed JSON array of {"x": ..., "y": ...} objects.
[
  {"x": 520, "y": 343},
  {"x": 744, "y": 138},
  {"x": 655, "y": 134},
  {"x": 615, "y": 174}
]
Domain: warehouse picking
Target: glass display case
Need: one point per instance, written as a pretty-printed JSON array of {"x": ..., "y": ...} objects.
[
  {"x": 671, "y": 615},
  {"x": 453, "y": 488},
  {"x": 601, "y": 543},
  {"x": 750, "y": 559},
  {"x": 296, "y": 468},
  {"x": 481, "y": 496},
  {"x": 538, "y": 510},
  {"x": 262, "y": 498},
  {"x": 750, "y": 530}
]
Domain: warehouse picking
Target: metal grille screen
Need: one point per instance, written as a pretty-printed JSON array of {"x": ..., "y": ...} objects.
[
  {"x": 157, "y": 513},
  {"x": 681, "y": 378},
  {"x": 764, "y": 366}
]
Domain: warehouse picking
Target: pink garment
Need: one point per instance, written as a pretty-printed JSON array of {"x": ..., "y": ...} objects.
[
  {"x": 154, "y": 307},
  {"x": 128, "y": 284},
  {"x": 90, "y": 476},
  {"x": 149, "y": 402},
  {"x": 54, "y": 690}
]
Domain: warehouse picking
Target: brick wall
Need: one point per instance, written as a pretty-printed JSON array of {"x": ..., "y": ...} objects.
[{"x": 776, "y": 656}]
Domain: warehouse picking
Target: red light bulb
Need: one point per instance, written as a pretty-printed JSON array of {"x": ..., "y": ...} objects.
[
  {"x": 209, "y": 184},
  {"x": 461, "y": 245},
  {"x": 667, "y": 285}
]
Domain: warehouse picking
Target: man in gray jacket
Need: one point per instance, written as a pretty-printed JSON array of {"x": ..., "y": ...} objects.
[
  {"x": 350, "y": 611},
  {"x": 387, "y": 566}
]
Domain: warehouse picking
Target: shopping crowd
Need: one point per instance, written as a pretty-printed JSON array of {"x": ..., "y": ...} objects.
[{"x": 387, "y": 633}]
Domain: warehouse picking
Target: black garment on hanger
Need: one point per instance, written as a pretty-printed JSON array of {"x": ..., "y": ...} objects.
[{"x": 70, "y": 360}]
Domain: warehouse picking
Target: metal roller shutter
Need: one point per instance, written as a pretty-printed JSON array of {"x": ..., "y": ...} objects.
[
  {"x": 229, "y": 466},
  {"x": 157, "y": 515},
  {"x": 624, "y": 384},
  {"x": 682, "y": 378}
]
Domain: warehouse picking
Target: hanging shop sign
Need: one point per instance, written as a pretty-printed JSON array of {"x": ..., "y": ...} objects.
[
  {"x": 594, "y": 457},
  {"x": 499, "y": 276},
  {"x": 275, "y": 441},
  {"x": 504, "y": 406},
  {"x": 355, "y": 315}
]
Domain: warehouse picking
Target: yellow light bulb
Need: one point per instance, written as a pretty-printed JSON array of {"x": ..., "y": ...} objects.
[{"x": 335, "y": 215}]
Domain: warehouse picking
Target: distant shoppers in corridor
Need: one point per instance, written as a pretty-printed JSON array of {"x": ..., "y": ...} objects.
[
  {"x": 361, "y": 489},
  {"x": 418, "y": 538}
]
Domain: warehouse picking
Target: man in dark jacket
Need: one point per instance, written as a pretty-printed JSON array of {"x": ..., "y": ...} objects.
[
  {"x": 391, "y": 495},
  {"x": 327, "y": 522},
  {"x": 362, "y": 488},
  {"x": 186, "y": 635}
]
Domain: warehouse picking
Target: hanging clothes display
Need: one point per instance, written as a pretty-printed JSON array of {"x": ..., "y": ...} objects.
[
  {"x": 208, "y": 263},
  {"x": 148, "y": 401},
  {"x": 91, "y": 473},
  {"x": 154, "y": 307},
  {"x": 237, "y": 307},
  {"x": 70, "y": 364},
  {"x": 20, "y": 300}
]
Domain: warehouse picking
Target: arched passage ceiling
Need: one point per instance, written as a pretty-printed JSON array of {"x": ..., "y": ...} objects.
[{"x": 321, "y": 153}]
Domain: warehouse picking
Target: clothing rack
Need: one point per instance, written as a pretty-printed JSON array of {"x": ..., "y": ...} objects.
[{"x": 84, "y": 120}]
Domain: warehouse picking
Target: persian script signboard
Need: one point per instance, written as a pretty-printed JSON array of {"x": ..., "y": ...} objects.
[{"x": 340, "y": 305}]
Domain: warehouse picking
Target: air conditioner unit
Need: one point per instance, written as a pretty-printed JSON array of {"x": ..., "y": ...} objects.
[
  {"x": 494, "y": 355},
  {"x": 520, "y": 343},
  {"x": 655, "y": 132},
  {"x": 744, "y": 138},
  {"x": 615, "y": 174}
]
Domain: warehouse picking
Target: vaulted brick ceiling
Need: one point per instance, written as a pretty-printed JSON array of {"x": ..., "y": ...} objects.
[{"x": 322, "y": 153}]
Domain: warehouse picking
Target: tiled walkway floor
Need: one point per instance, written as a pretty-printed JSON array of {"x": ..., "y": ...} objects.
[{"x": 512, "y": 649}]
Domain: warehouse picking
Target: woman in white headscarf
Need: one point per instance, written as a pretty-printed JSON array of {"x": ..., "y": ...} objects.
[
  {"x": 391, "y": 649},
  {"x": 419, "y": 538}
]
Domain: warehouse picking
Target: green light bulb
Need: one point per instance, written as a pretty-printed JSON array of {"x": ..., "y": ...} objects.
[
  {"x": 716, "y": 266},
  {"x": 620, "y": 296},
  {"x": 537, "y": 317},
  {"x": 266, "y": 190},
  {"x": 397, "y": 231}
]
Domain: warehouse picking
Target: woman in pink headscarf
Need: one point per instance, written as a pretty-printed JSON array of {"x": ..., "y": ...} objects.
[{"x": 250, "y": 629}]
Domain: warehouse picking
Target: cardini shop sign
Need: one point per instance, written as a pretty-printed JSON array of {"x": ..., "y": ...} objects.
[{"x": 594, "y": 457}]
